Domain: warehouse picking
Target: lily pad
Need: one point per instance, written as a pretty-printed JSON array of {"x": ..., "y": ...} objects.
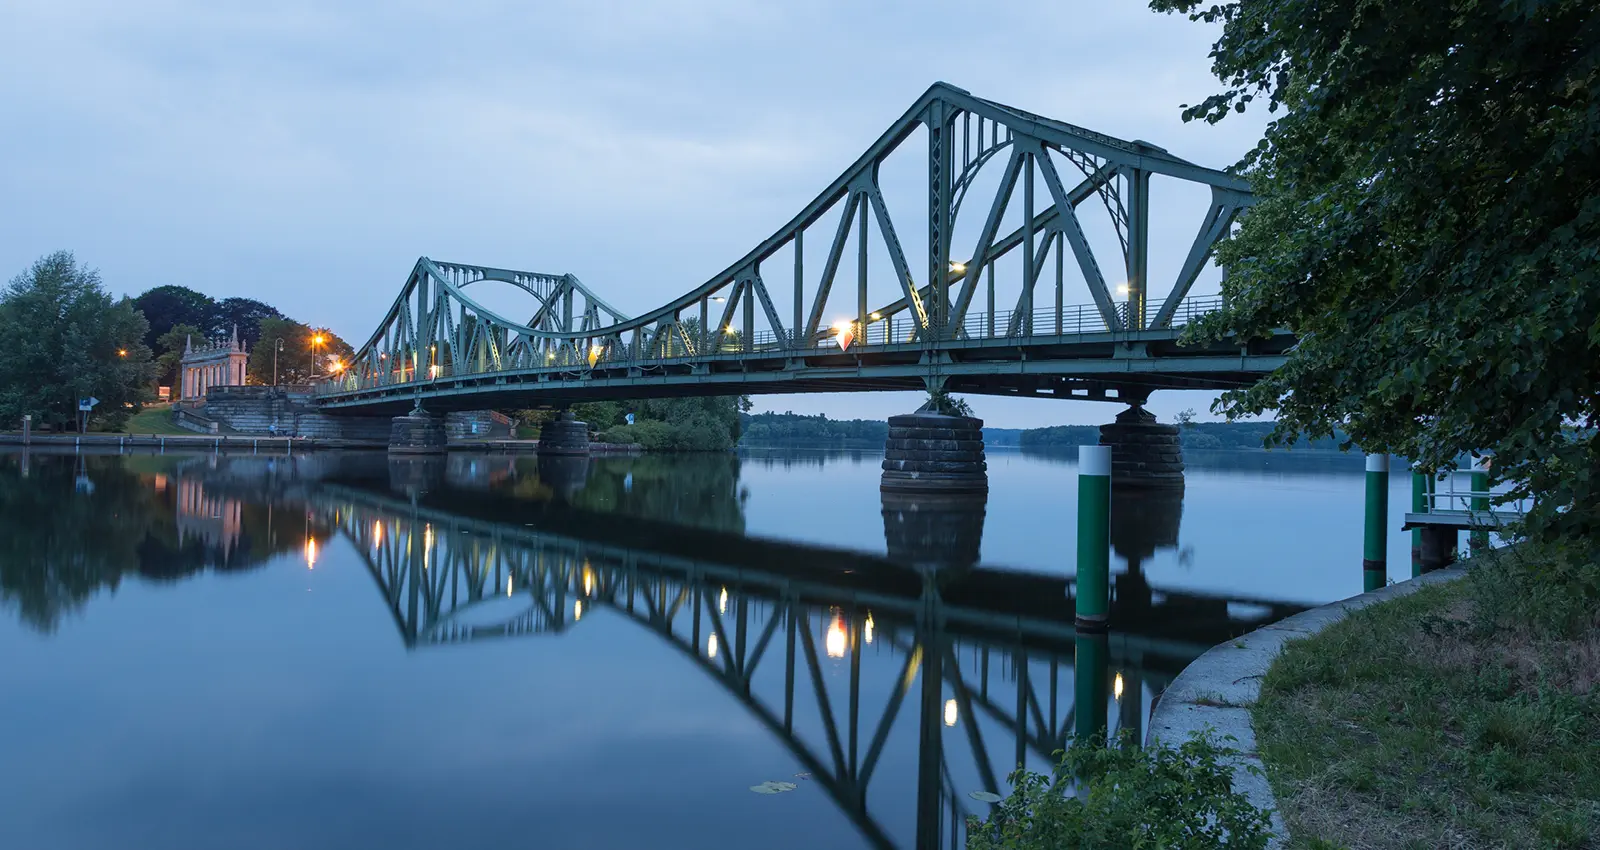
[{"x": 985, "y": 796}]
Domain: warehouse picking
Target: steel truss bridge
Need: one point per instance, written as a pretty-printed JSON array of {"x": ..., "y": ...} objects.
[
  {"x": 762, "y": 618},
  {"x": 1006, "y": 316}
]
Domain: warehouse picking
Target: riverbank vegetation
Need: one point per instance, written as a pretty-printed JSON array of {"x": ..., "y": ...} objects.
[
  {"x": 659, "y": 425},
  {"x": 1132, "y": 798},
  {"x": 1464, "y": 715},
  {"x": 67, "y": 339},
  {"x": 1426, "y": 214}
]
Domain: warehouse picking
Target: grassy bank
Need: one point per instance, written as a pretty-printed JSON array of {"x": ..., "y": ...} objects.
[
  {"x": 153, "y": 420},
  {"x": 1466, "y": 715}
]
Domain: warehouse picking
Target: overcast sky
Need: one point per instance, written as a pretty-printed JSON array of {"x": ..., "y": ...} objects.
[{"x": 306, "y": 153}]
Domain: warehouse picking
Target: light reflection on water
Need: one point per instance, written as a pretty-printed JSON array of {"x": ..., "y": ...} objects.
[{"x": 325, "y": 651}]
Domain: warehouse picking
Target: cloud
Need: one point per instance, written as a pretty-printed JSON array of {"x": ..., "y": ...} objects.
[{"x": 306, "y": 153}]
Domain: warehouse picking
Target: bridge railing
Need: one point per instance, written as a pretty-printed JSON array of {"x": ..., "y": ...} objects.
[
  {"x": 1449, "y": 496},
  {"x": 880, "y": 332}
]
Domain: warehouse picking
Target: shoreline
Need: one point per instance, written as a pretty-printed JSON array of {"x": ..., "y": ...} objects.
[{"x": 1217, "y": 690}]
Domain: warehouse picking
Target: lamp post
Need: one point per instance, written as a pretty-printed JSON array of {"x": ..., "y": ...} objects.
[
  {"x": 316, "y": 346},
  {"x": 276, "y": 347}
]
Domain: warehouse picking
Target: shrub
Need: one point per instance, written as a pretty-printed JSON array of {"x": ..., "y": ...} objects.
[
  {"x": 940, "y": 401},
  {"x": 1130, "y": 798},
  {"x": 1552, "y": 588}
]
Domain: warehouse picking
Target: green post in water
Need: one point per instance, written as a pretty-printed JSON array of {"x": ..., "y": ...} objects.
[
  {"x": 1090, "y": 671},
  {"x": 1094, "y": 537},
  {"x": 1479, "y": 539},
  {"x": 1419, "y": 504},
  {"x": 1374, "y": 561}
]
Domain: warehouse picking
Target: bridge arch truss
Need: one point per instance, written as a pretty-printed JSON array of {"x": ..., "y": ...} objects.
[{"x": 782, "y": 319}]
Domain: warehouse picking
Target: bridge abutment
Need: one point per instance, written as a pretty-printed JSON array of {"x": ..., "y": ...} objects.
[
  {"x": 932, "y": 452},
  {"x": 417, "y": 432},
  {"x": 564, "y": 436},
  {"x": 1144, "y": 453}
]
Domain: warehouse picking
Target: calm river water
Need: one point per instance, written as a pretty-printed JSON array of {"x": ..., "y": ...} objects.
[{"x": 202, "y": 651}]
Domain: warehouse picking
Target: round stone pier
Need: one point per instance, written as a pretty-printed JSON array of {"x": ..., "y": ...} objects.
[
  {"x": 934, "y": 453},
  {"x": 417, "y": 433},
  {"x": 1144, "y": 452},
  {"x": 564, "y": 436}
]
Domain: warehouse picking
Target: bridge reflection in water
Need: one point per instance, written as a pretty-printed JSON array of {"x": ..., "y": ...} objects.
[{"x": 469, "y": 548}]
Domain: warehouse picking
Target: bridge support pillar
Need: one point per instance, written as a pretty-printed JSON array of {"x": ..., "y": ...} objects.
[
  {"x": 417, "y": 432},
  {"x": 564, "y": 436},
  {"x": 1144, "y": 452},
  {"x": 930, "y": 452},
  {"x": 1439, "y": 544}
]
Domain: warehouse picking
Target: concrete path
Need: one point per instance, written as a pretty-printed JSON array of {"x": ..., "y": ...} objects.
[{"x": 1217, "y": 689}]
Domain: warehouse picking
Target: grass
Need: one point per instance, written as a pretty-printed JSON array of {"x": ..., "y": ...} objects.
[
  {"x": 153, "y": 420},
  {"x": 1466, "y": 715}
]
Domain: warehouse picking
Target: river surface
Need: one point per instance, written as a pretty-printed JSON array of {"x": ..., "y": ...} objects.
[{"x": 752, "y": 651}]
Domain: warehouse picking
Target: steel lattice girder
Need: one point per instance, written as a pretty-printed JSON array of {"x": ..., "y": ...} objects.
[{"x": 436, "y": 330}]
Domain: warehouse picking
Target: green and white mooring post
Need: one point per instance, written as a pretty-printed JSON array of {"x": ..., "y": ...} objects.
[
  {"x": 1094, "y": 537},
  {"x": 1093, "y": 592},
  {"x": 1374, "y": 560}
]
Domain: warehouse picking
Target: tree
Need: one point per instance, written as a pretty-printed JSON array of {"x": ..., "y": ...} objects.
[
  {"x": 1428, "y": 206},
  {"x": 66, "y": 339},
  {"x": 169, "y": 352},
  {"x": 245, "y": 314},
  {"x": 165, "y": 307},
  {"x": 1185, "y": 417},
  {"x": 301, "y": 357}
]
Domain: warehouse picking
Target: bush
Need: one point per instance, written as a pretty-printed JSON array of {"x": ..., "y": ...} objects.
[
  {"x": 1137, "y": 798},
  {"x": 1551, "y": 588},
  {"x": 691, "y": 436},
  {"x": 940, "y": 401}
]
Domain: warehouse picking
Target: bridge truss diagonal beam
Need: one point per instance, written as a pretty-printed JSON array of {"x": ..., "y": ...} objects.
[{"x": 439, "y": 334}]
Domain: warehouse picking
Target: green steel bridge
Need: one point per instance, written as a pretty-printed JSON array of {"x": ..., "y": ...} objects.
[{"x": 1043, "y": 288}]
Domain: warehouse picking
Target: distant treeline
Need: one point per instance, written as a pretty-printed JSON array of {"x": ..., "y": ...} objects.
[
  {"x": 767, "y": 429},
  {"x": 1196, "y": 435}
]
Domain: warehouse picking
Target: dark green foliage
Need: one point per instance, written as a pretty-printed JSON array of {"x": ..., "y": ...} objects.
[
  {"x": 169, "y": 351},
  {"x": 300, "y": 358},
  {"x": 1174, "y": 798},
  {"x": 166, "y": 307},
  {"x": 245, "y": 315},
  {"x": 1428, "y": 223},
  {"x": 940, "y": 401},
  {"x": 1553, "y": 590},
  {"x": 600, "y": 415},
  {"x": 1061, "y": 435},
  {"x": 795, "y": 427},
  {"x": 681, "y": 424},
  {"x": 66, "y": 339}
]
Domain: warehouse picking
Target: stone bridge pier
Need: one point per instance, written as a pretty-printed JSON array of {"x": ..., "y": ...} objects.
[
  {"x": 417, "y": 432},
  {"x": 1144, "y": 453},
  {"x": 565, "y": 436},
  {"x": 930, "y": 452}
]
